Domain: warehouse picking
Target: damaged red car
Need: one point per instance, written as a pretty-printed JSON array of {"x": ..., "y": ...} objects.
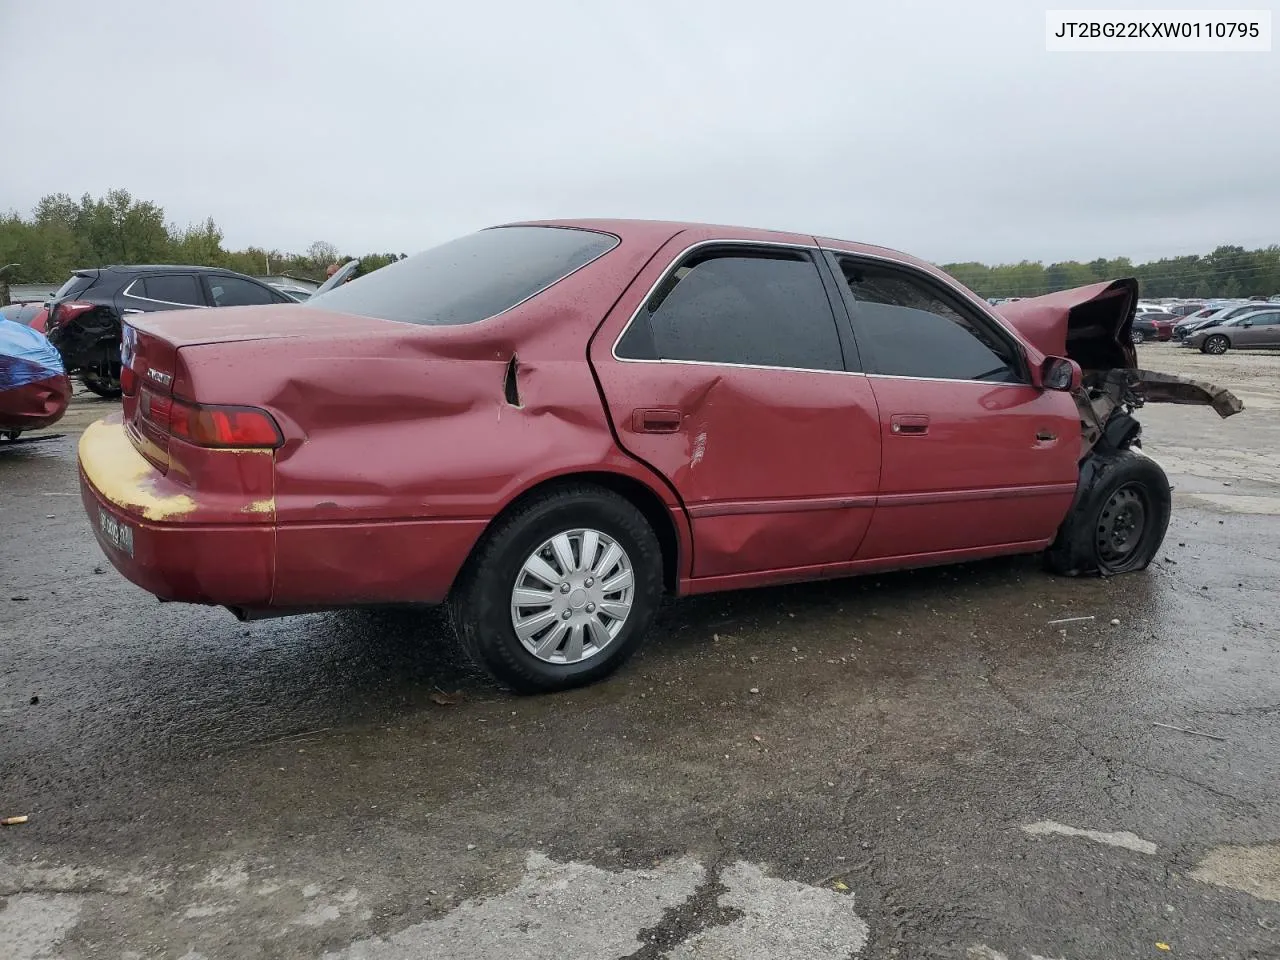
[{"x": 548, "y": 426}]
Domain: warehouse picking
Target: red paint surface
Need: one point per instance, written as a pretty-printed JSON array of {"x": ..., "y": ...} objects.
[
  {"x": 187, "y": 560},
  {"x": 400, "y": 447},
  {"x": 35, "y": 405},
  {"x": 978, "y": 475}
]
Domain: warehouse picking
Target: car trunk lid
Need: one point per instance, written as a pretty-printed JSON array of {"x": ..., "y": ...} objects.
[
  {"x": 184, "y": 328},
  {"x": 153, "y": 378}
]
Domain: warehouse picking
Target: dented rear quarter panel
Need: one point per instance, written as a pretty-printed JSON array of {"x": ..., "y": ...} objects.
[{"x": 401, "y": 441}]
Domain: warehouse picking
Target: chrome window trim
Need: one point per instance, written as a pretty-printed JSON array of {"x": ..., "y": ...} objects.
[
  {"x": 674, "y": 265},
  {"x": 172, "y": 303},
  {"x": 979, "y": 383}
]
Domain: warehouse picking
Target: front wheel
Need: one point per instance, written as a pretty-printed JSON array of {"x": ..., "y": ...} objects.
[
  {"x": 1217, "y": 345},
  {"x": 1137, "y": 336},
  {"x": 560, "y": 592},
  {"x": 1119, "y": 519}
]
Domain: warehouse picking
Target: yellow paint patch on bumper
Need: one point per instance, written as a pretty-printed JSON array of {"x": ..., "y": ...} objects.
[{"x": 124, "y": 477}]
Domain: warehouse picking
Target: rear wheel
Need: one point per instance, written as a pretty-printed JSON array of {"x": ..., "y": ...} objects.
[
  {"x": 1217, "y": 344},
  {"x": 560, "y": 592},
  {"x": 1119, "y": 519},
  {"x": 107, "y": 387}
]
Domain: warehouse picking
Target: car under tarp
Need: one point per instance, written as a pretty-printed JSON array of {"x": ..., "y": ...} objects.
[{"x": 34, "y": 389}]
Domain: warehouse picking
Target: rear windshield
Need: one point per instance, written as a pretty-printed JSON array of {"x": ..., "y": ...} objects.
[
  {"x": 471, "y": 278},
  {"x": 77, "y": 285}
]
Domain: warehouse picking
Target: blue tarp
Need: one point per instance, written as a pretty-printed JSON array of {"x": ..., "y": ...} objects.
[{"x": 26, "y": 356}]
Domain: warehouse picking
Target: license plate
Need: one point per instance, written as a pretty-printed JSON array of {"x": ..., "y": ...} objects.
[{"x": 119, "y": 535}]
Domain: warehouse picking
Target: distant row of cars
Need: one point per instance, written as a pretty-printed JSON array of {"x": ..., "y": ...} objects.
[{"x": 1214, "y": 327}]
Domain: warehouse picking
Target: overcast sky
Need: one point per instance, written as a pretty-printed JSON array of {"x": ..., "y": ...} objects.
[{"x": 938, "y": 127}]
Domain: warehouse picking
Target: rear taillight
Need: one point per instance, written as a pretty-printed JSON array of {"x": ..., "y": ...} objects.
[
  {"x": 207, "y": 425},
  {"x": 128, "y": 381},
  {"x": 67, "y": 311},
  {"x": 219, "y": 426}
]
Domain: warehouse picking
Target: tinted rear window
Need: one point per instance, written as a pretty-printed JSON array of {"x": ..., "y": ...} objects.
[
  {"x": 77, "y": 285},
  {"x": 471, "y": 278}
]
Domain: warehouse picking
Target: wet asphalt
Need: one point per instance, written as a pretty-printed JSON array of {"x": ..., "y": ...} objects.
[{"x": 197, "y": 787}]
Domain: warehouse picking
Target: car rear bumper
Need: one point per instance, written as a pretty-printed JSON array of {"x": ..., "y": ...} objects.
[
  {"x": 143, "y": 524},
  {"x": 156, "y": 533}
]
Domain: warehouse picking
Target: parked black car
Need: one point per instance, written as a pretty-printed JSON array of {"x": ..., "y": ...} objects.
[{"x": 86, "y": 312}]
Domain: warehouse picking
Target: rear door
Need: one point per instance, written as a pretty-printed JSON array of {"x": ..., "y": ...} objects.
[
  {"x": 228, "y": 291},
  {"x": 160, "y": 291},
  {"x": 974, "y": 456},
  {"x": 724, "y": 368}
]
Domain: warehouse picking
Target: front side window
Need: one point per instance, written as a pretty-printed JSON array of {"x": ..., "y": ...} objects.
[
  {"x": 913, "y": 328},
  {"x": 235, "y": 292},
  {"x": 172, "y": 288},
  {"x": 755, "y": 309}
]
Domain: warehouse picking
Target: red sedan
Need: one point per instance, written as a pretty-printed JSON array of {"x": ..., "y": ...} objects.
[{"x": 549, "y": 425}]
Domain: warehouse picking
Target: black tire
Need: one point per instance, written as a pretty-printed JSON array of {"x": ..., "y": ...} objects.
[
  {"x": 106, "y": 387},
  {"x": 1216, "y": 345},
  {"x": 1116, "y": 490},
  {"x": 481, "y": 600}
]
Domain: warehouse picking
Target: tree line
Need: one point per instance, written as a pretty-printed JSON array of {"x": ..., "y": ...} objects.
[
  {"x": 62, "y": 235},
  {"x": 1228, "y": 271}
]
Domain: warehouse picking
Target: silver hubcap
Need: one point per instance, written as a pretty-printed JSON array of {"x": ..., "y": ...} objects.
[{"x": 572, "y": 597}]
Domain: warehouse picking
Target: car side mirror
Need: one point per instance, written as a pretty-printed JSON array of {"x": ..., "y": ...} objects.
[
  {"x": 1059, "y": 373},
  {"x": 1246, "y": 323}
]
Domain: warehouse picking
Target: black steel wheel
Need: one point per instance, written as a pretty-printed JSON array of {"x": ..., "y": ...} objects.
[
  {"x": 1119, "y": 517},
  {"x": 1121, "y": 526}
]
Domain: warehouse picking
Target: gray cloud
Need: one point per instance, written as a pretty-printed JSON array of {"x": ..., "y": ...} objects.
[{"x": 941, "y": 128}]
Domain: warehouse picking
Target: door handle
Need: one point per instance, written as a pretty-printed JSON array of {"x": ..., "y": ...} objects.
[
  {"x": 909, "y": 424},
  {"x": 656, "y": 420},
  {"x": 1046, "y": 436}
]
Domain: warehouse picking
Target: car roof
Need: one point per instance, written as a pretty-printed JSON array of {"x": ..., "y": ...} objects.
[
  {"x": 659, "y": 232},
  {"x": 162, "y": 267}
]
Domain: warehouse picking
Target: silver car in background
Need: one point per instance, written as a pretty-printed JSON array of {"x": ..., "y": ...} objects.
[{"x": 1250, "y": 331}]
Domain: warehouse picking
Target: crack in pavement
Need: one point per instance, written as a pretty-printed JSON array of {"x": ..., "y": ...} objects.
[
  {"x": 679, "y": 923},
  {"x": 1107, "y": 761}
]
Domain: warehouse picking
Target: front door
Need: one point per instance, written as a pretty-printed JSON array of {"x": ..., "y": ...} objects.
[
  {"x": 974, "y": 456},
  {"x": 1263, "y": 331},
  {"x": 725, "y": 369}
]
